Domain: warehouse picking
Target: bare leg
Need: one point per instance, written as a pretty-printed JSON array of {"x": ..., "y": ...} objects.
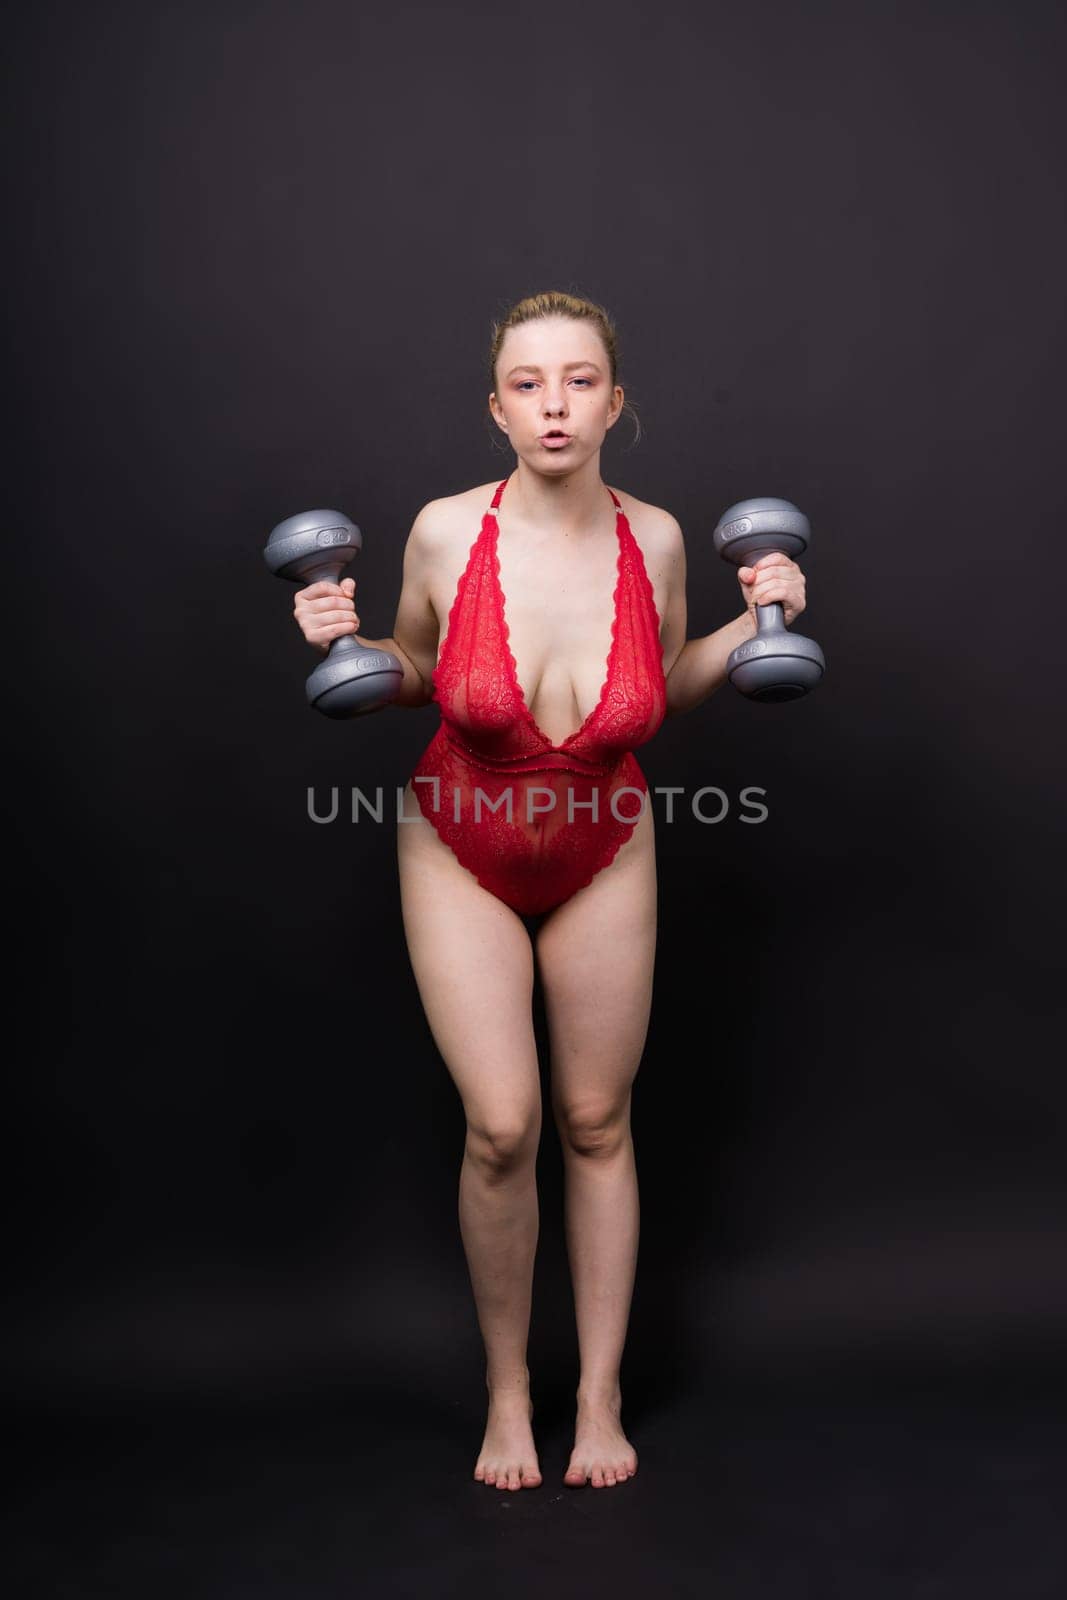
[
  {"x": 596, "y": 955},
  {"x": 473, "y": 964}
]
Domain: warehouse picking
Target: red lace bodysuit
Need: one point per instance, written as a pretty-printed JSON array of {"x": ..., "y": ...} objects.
[{"x": 533, "y": 821}]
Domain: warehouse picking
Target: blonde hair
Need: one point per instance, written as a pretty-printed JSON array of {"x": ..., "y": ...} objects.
[{"x": 558, "y": 303}]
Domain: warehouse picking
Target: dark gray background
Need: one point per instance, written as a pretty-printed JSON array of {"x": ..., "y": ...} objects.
[{"x": 257, "y": 256}]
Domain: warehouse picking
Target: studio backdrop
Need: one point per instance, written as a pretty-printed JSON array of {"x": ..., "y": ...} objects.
[{"x": 257, "y": 254}]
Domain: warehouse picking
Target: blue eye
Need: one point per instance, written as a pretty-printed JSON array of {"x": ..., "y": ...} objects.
[{"x": 523, "y": 382}]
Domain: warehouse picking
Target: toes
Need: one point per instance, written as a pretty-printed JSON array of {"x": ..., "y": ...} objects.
[
  {"x": 601, "y": 1474},
  {"x": 519, "y": 1476}
]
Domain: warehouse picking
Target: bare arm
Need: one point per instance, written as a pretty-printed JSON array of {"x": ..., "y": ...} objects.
[
  {"x": 694, "y": 668},
  {"x": 416, "y": 631}
]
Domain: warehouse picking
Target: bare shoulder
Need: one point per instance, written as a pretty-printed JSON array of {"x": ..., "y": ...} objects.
[
  {"x": 445, "y": 528},
  {"x": 444, "y": 525},
  {"x": 441, "y": 538},
  {"x": 659, "y": 535},
  {"x": 657, "y": 531}
]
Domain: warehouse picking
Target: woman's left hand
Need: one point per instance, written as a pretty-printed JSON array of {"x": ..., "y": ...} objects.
[{"x": 774, "y": 577}]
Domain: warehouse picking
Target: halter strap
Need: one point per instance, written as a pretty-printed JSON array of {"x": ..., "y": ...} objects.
[{"x": 503, "y": 484}]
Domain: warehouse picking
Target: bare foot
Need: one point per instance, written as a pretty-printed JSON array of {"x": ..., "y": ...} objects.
[
  {"x": 508, "y": 1458},
  {"x": 602, "y": 1453}
]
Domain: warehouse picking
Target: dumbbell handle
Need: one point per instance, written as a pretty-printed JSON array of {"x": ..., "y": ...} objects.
[{"x": 770, "y": 618}]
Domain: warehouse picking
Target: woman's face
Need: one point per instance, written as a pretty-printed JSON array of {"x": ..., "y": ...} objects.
[{"x": 554, "y": 373}]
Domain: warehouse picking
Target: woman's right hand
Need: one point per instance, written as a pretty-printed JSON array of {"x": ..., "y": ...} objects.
[{"x": 324, "y": 611}]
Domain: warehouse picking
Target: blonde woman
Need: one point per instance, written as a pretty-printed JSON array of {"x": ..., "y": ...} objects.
[{"x": 554, "y": 645}]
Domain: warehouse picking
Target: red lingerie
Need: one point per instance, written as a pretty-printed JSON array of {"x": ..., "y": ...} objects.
[{"x": 533, "y": 821}]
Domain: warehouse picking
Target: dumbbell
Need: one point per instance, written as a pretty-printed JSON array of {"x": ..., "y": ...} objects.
[
  {"x": 776, "y": 664},
  {"x": 352, "y": 680}
]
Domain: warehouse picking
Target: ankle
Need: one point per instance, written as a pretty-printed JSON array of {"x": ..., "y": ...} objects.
[
  {"x": 599, "y": 1396},
  {"x": 506, "y": 1382}
]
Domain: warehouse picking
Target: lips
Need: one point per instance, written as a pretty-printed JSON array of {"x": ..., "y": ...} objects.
[{"x": 557, "y": 439}]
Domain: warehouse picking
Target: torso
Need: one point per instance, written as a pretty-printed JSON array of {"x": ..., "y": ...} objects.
[{"x": 559, "y": 597}]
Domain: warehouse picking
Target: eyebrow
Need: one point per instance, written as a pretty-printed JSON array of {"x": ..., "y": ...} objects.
[{"x": 570, "y": 365}]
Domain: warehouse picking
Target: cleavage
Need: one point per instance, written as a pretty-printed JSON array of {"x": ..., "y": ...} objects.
[{"x": 546, "y": 616}]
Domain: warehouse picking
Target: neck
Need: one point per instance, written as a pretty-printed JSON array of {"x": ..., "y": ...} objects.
[{"x": 576, "y": 501}]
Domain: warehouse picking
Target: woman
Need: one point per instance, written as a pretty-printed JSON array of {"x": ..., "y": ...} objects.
[{"x": 555, "y": 860}]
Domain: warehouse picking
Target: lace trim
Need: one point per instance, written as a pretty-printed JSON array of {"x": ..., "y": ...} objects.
[
  {"x": 643, "y": 577},
  {"x": 506, "y": 638},
  {"x": 457, "y": 600},
  {"x": 637, "y": 560}
]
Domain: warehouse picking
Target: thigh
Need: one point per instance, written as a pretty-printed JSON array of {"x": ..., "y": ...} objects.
[
  {"x": 595, "y": 956},
  {"x": 473, "y": 964}
]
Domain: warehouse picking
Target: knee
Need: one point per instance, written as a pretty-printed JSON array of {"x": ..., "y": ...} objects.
[
  {"x": 502, "y": 1145},
  {"x": 591, "y": 1129}
]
